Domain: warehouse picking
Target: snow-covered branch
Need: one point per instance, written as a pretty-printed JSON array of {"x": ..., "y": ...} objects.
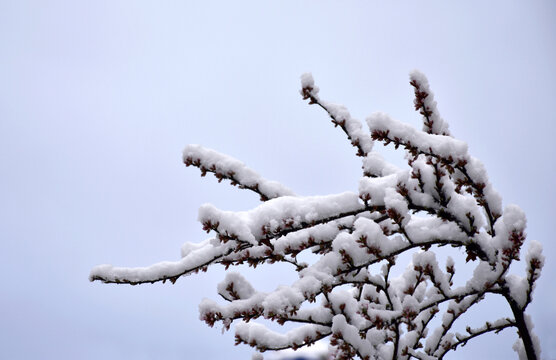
[
  {"x": 345, "y": 289},
  {"x": 339, "y": 115},
  {"x": 226, "y": 167},
  {"x": 425, "y": 104}
]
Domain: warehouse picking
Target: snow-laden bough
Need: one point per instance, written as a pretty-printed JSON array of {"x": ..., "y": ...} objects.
[{"x": 348, "y": 293}]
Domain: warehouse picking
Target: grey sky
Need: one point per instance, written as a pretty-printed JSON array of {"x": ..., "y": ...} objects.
[{"x": 97, "y": 100}]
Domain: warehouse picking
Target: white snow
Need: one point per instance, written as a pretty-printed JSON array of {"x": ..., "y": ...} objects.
[
  {"x": 228, "y": 166},
  {"x": 440, "y": 145}
]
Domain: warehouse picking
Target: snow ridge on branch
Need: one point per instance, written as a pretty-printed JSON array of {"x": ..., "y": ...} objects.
[
  {"x": 425, "y": 104},
  {"x": 226, "y": 167}
]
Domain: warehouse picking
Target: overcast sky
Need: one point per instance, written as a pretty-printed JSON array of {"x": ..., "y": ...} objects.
[{"x": 98, "y": 98}]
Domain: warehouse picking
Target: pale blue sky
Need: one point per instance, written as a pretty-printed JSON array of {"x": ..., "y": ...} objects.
[{"x": 98, "y": 98}]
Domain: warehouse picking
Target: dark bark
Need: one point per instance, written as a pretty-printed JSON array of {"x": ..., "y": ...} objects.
[{"x": 522, "y": 329}]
